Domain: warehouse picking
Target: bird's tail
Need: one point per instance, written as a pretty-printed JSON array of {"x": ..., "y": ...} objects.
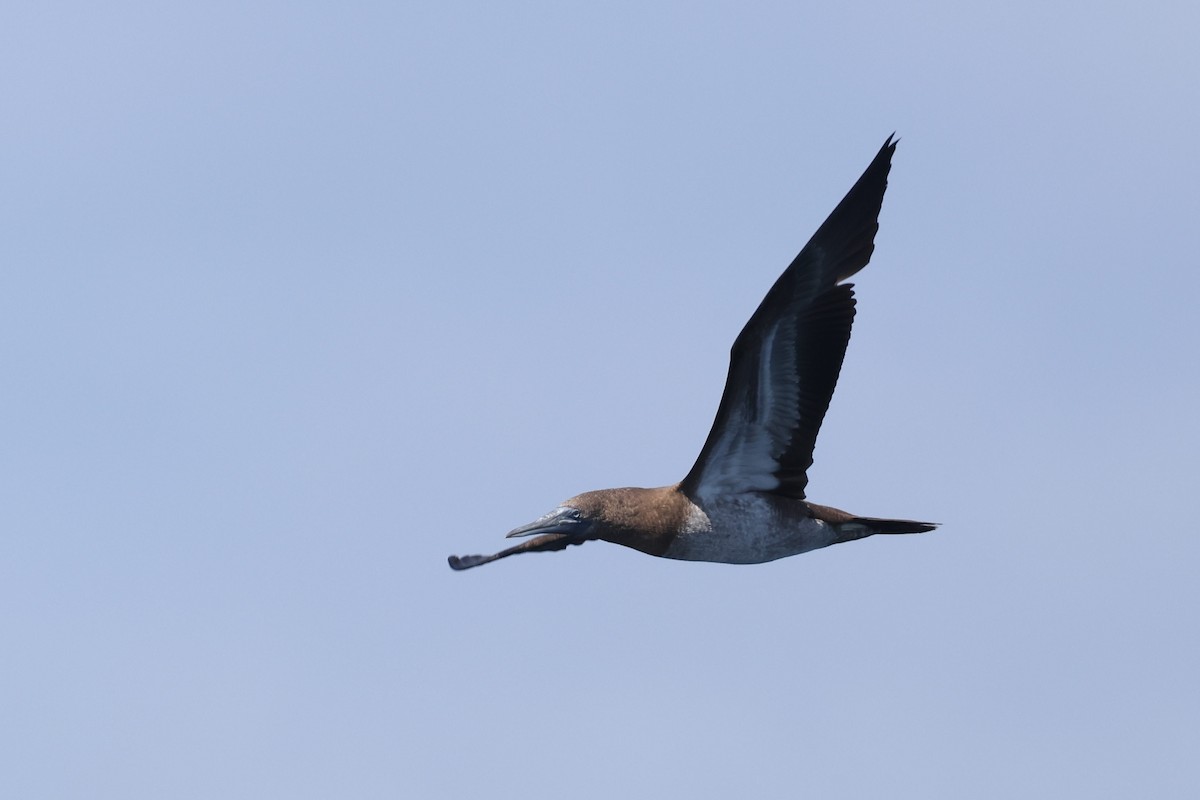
[{"x": 877, "y": 525}]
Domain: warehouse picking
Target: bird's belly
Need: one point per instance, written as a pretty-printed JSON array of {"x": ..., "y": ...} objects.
[{"x": 749, "y": 529}]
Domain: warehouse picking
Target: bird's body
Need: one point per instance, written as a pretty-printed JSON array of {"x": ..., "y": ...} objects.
[
  {"x": 743, "y": 502},
  {"x": 750, "y": 528}
]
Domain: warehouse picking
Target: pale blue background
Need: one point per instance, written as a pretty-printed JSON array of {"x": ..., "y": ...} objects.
[{"x": 297, "y": 299}]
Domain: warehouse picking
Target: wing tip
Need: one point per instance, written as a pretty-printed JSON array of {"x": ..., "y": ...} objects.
[{"x": 459, "y": 563}]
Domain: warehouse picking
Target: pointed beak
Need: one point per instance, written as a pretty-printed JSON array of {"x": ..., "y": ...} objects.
[{"x": 560, "y": 520}]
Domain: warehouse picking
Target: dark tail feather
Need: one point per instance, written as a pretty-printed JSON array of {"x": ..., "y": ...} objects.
[{"x": 895, "y": 525}]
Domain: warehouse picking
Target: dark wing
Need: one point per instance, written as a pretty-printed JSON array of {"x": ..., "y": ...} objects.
[
  {"x": 785, "y": 363},
  {"x": 538, "y": 544}
]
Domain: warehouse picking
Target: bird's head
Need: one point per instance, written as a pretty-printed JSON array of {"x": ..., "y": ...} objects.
[
  {"x": 637, "y": 518},
  {"x": 569, "y": 518}
]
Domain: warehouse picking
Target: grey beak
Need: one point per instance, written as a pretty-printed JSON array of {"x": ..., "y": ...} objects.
[{"x": 560, "y": 520}]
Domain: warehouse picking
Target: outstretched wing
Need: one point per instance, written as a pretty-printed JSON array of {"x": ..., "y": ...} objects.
[
  {"x": 539, "y": 544},
  {"x": 785, "y": 363}
]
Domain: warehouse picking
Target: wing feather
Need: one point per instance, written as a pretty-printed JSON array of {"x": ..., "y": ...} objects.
[{"x": 785, "y": 363}]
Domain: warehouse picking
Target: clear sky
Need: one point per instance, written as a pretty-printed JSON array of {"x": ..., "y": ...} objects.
[{"x": 297, "y": 299}]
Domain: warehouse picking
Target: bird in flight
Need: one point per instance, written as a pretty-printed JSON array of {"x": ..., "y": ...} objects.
[{"x": 743, "y": 501}]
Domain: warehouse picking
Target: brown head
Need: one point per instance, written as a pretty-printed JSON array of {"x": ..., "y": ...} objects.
[{"x": 644, "y": 519}]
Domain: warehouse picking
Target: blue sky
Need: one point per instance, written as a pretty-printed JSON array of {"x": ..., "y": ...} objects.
[{"x": 297, "y": 300}]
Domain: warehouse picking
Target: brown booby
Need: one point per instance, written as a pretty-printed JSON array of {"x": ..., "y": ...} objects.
[{"x": 743, "y": 501}]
